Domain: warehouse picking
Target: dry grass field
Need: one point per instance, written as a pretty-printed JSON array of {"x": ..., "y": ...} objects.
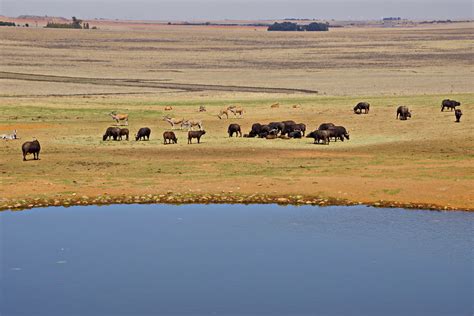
[{"x": 60, "y": 85}]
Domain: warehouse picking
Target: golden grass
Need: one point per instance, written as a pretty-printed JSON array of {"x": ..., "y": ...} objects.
[{"x": 428, "y": 159}]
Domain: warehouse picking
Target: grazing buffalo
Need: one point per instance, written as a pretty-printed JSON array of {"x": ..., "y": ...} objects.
[
  {"x": 289, "y": 122},
  {"x": 458, "y": 114},
  {"x": 300, "y": 127},
  {"x": 450, "y": 104},
  {"x": 325, "y": 126},
  {"x": 280, "y": 126},
  {"x": 403, "y": 112},
  {"x": 295, "y": 134},
  {"x": 143, "y": 133},
  {"x": 195, "y": 134},
  {"x": 234, "y": 128},
  {"x": 289, "y": 127},
  {"x": 362, "y": 106},
  {"x": 320, "y": 135},
  {"x": 338, "y": 132},
  {"x": 31, "y": 148},
  {"x": 264, "y": 131},
  {"x": 111, "y": 132},
  {"x": 255, "y": 131},
  {"x": 124, "y": 132},
  {"x": 169, "y": 138}
]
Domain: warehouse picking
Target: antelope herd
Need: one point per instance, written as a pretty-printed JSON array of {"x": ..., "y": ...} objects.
[{"x": 283, "y": 129}]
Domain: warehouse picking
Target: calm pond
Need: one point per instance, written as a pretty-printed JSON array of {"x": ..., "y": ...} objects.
[{"x": 235, "y": 260}]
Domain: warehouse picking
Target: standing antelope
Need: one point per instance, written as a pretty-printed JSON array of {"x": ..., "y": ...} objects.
[
  {"x": 173, "y": 122},
  {"x": 222, "y": 113},
  {"x": 119, "y": 117},
  {"x": 189, "y": 124},
  {"x": 237, "y": 110}
]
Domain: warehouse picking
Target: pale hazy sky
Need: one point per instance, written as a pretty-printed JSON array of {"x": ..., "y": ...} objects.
[{"x": 241, "y": 9}]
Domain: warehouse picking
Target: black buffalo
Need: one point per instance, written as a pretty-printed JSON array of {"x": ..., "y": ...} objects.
[
  {"x": 266, "y": 130},
  {"x": 255, "y": 131},
  {"x": 111, "y": 133},
  {"x": 403, "y": 112},
  {"x": 325, "y": 126},
  {"x": 292, "y": 127},
  {"x": 143, "y": 133},
  {"x": 169, "y": 138},
  {"x": 295, "y": 134},
  {"x": 195, "y": 134},
  {"x": 124, "y": 132},
  {"x": 234, "y": 128},
  {"x": 320, "y": 135},
  {"x": 280, "y": 126},
  {"x": 31, "y": 148},
  {"x": 362, "y": 106},
  {"x": 450, "y": 104},
  {"x": 458, "y": 114},
  {"x": 338, "y": 132}
]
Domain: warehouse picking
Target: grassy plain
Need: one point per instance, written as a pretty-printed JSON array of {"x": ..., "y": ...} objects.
[{"x": 426, "y": 160}]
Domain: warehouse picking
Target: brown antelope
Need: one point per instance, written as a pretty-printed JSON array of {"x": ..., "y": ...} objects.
[
  {"x": 275, "y": 105},
  {"x": 173, "y": 122},
  {"x": 237, "y": 110},
  {"x": 189, "y": 124},
  {"x": 119, "y": 117},
  {"x": 168, "y": 108},
  {"x": 222, "y": 113}
]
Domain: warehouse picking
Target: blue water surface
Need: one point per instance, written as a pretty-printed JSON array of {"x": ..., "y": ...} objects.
[{"x": 235, "y": 260}]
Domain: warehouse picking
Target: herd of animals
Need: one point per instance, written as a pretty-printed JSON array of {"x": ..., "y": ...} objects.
[{"x": 284, "y": 129}]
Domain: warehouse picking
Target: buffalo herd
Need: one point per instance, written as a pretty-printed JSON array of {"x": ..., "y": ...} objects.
[{"x": 283, "y": 130}]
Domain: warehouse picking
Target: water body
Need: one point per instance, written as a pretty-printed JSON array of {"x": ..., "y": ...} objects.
[{"x": 235, "y": 260}]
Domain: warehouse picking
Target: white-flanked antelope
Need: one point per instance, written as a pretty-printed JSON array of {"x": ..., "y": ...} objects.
[
  {"x": 173, "y": 121},
  {"x": 119, "y": 117},
  {"x": 189, "y": 124}
]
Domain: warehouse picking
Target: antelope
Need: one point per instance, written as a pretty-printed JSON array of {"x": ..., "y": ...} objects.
[
  {"x": 275, "y": 105},
  {"x": 189, "y": 124},
  {"x": 9, "y": 136},
  {"x": 119, "y": 117},
  {"x": 168, "y": 108},
  {"x": 173, "y": 122},
  {"x": 237, "y": 110},
  {"x": 222, "y": 113}
]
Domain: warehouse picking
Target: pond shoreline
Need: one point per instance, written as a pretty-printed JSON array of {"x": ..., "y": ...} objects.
[{"x": 172, "y": 198}]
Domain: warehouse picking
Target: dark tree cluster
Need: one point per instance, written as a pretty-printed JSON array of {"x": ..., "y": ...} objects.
[
  {"x": 76, "y": 24},
  {"x": 2, "y": 23},
  {"x": 294, "y": 27}
]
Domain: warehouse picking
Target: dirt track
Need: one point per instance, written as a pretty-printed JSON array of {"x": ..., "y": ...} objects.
[{"x": 146, "y": 83}]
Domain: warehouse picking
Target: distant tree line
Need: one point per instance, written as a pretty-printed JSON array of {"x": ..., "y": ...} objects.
[
  {"x": 392, "y": 19},
  {"x": 2, "y": 23},
  {"x": 76, "y": 24},
  {"x": 293, "y": 27}
]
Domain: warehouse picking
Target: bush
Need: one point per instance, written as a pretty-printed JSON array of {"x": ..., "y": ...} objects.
[
  {"x": 76, "y": 24},
  {"x": 293, "y": 27},
  {"x": 314, "y": 27},
  {"x": 7, "y": 23},
  {"x": 284, "y": 27}
]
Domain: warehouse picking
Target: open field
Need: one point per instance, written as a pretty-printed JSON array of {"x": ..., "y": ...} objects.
[{"x": 59, "y": 86}]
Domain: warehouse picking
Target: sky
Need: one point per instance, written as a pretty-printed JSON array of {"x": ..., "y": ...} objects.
[{"x": 241, "y": 9}]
